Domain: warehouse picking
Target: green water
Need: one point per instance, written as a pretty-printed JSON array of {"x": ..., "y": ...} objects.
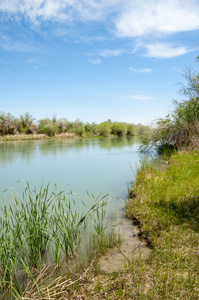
[{"x": 98, "y": 165}]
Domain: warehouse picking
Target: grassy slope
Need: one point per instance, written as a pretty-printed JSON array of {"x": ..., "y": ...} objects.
[{"x": 166, "y": 206}]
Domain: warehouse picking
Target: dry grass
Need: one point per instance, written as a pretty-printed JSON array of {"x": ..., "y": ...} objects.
[{"x": 21, "y": 137}]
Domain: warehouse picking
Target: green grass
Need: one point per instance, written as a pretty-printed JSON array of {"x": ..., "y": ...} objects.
[{"x": 165, "y": 204}]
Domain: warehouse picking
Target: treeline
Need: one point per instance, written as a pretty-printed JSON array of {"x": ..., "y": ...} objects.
[
  {"x": 180, "y": 129},
  {"x": 27, "y": 124}
]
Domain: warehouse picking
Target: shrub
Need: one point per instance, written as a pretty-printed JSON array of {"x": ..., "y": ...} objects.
[
  {"x": 79, "y": 130},
  {"x": 131, "y": 129},
  {"x": 104, "y": 129},
  {"x": 119, "y": 129},
  {"x": 181, "y": 128},
  {"x": 47, "y": 127}
]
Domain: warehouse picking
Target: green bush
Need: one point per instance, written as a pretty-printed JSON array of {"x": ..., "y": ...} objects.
[
  {"x": 131, "y": 129},
  {"x": 119, "y": 129},
  {"x": 180, "y": 129},
  {"x": 47, "y": 127},
  {"x": 79, "y": 130},
  {"x": 104, "y": 129}
]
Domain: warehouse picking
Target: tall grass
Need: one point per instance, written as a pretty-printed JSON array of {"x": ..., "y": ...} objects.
[{"x": 41, "y": 223}]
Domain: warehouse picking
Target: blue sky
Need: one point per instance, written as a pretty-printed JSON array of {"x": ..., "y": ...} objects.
[{"x": 95, "y": 59}]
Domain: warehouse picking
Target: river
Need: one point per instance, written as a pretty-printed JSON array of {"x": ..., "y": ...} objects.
[{"x": 97, "y": 165}]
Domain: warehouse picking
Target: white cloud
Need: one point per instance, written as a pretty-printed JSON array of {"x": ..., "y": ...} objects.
[
  {"x": 61, "y": 10},
  {"x": 131, "y": 18},
  {"x": 96, "y": 61},
  {"x": 32, "y": 60},
  {"x": 158, "y": 17},
  {"x": 16, "y": 46},
  {"x": 139, "y": 97},
  {"x": 140, "y": 70},
  {"x": 115, "y": 52},
  {"x": 164, "y": 50}
]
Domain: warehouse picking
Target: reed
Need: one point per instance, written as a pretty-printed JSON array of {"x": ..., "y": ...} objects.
[{"x": 41, "y": 223}]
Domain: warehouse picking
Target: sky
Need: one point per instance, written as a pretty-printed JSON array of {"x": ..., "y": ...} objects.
[{"x": 95, "y": 60}]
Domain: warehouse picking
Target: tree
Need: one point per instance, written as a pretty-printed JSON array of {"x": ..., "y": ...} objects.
[
  {"x": 119, "y": 129},
  {"x": 104, "y": 129},
  {"x": 180, "y": 128}
]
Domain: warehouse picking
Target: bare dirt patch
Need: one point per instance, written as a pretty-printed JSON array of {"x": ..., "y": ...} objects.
[{"x": 131, "y": 246}]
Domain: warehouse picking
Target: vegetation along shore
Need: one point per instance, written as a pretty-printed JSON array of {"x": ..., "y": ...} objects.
[{"x": 26, "y": 127}]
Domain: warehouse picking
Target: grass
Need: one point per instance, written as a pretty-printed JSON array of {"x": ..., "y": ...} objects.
[
  {"x": 41, "y": 136},
  {"x": 41, "y": 224},
  {"x": 165, "y": 205}
]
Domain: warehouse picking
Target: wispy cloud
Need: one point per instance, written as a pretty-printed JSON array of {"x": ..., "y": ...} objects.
[
  {"x": 131, "y": 18},
  {"x": 127, "y": 19},
  {"x": 16, "y": 46},
  {"x": 61, "y": 10},
  {"x": 32, "y": 60},
  {"x": 139, "y": 97},
  {"x": 140, "y": 70},
  {"x": 114, "y": 52},
  {"x": 96, "y": 61},
  {"x": 165, "y": 50}
]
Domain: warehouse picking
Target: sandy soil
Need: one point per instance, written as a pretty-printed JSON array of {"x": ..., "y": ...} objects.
[{"x": 131, "y": 246}]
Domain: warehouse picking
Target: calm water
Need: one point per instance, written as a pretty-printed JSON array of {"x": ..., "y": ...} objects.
[{"x": 101, "y": 165}]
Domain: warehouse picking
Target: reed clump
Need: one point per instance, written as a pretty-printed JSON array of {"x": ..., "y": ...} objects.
[{"x": 42, "y": 225}]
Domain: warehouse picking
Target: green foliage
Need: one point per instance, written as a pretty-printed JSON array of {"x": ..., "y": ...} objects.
[
  {"x": 63, "y": 124},
  {"x": 119, "y": 129},
  {"x": 165, "y": 204},
  {"x": 104, "y": 129},
  {"x": 10, "y": 125},
  {"x": 180, "y": 129},
  {"x": 26, "y": 120},
  {"x": 47, "y": 127},
  {"x": 78, "y": 128},
  {"x": 131, "y": 129},
  {"x": 91, "y": 128}
]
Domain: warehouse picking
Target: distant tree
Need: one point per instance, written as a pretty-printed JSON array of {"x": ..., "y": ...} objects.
[
  {"x": 48, "y": 127},
  {"x": 104, "y": 129},
  {"x": 131, "y": 130},
  {"x": 26, "y": 120},
  {"x": 119, "y": 129}
]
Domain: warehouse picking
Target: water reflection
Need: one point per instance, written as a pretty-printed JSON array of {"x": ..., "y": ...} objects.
[
  {"x": 9, "y": 151},
  {"x": 26, "y": 150}
]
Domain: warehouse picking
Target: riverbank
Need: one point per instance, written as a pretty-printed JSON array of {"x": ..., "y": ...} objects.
[
  {"x": 164, "y": 204},
  {"x": 66, "y": 135},
  {"x": 23, "y": 137}
]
